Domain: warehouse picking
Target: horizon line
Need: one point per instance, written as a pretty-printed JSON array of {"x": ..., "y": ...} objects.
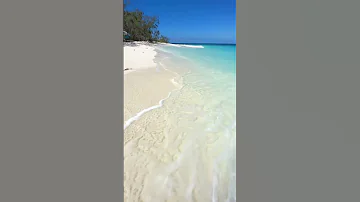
[{"x": 204, "y": 43}]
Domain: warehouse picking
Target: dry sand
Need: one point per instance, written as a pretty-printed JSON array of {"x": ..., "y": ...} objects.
[{"x": 138, "y": 55}]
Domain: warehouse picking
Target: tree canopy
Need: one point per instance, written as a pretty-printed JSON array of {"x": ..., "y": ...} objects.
[{"x": 141, "y": 27}]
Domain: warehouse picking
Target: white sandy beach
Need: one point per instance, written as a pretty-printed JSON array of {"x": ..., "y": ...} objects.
[
  {"x": 138, "y": 55},
  {"x": 141, "y": 55},
  {"x": 167, "y": 154},
  {"x": 145, "y": 85}
]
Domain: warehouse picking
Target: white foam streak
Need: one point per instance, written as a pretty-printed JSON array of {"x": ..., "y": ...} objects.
[
  {"x": 138, "y": 115},
  {"x": 214, "y": 186},
  {"x": 191, "y": 187},
  {"x": 184, "y": 45}
]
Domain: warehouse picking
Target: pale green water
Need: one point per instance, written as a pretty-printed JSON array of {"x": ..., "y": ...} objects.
[{"x": 203, "y": 113}]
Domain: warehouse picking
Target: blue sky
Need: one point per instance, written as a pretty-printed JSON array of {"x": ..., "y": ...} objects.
[{"x": 192, "y": 21}]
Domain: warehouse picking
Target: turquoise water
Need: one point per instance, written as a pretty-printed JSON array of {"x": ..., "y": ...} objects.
[
  {"x": 203, "y": 113},
  {"x": 184, "y": 148},
  {"x": 219, "y": 57}
]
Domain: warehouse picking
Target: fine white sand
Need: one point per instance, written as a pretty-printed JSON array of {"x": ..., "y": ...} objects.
[
  {"x": 145, "y": 88},
  {"x": 168, "y": 154},
  {"x": 147, "y": 84},
  {"x": 138, "y": 55},
  {"x": 141, "y": 55}
]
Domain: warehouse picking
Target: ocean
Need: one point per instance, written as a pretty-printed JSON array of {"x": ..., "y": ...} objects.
[{"x": 200, "y": 124}]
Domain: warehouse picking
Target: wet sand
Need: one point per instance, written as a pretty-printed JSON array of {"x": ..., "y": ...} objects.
[
  {"x": 144, "y": 87},
  {"x": 167, "y": 154}
]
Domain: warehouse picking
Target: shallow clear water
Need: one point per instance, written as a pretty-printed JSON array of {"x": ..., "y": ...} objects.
[
  {"x": 203, "y": 112},
  {"x": 212, "y": 57},
  {"x": 184, "y": 148}
]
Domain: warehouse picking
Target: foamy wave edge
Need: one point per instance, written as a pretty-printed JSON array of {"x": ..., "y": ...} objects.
[
  {"x": 138, "y": 115},
  {"x": 183, "y": 45}
]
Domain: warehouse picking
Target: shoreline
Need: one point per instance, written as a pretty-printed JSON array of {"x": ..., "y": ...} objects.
[
  {"x": 148, "y": 84},
  {"x": 176, "y": 127},
  {"x": 144, "y": 90},
  {"x": 139, "y": 55}
]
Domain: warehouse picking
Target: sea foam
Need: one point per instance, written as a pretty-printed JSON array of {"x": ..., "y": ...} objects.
[
  {"x": 138, "y": 115},
  {"x": 184, "y": 45}
]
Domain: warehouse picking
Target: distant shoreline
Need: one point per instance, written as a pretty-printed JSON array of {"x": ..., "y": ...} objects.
[
  {"x": 222, "y": 44},
  {"x": 184, "y": 43}
]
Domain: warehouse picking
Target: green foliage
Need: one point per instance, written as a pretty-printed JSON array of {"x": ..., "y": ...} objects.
[
  {"x": 141, "y": 27},
  {"x": 163, "y": 39}
]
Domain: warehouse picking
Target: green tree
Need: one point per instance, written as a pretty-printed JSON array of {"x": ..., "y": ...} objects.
[
  {"x": 163, "y": 39},
  {"x": 141, "y": 27}
]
